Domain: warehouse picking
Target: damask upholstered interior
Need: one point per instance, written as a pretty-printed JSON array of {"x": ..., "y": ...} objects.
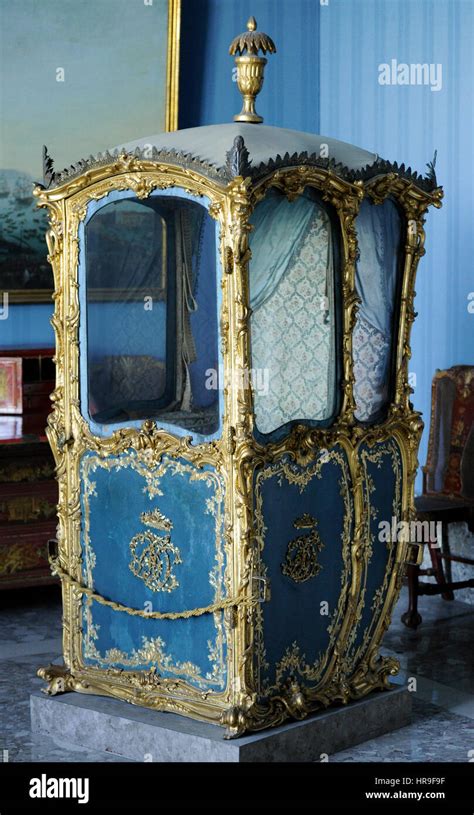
[
  {"x": 292, "y": 302},
  {"x": 379, "y": 239},
  {"x": 152, "y": 313}
]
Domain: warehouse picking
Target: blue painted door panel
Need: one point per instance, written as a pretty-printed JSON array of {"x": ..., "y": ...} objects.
[
  {"x": 304, "y": 527},
  {"x": 152, "y": 539}
]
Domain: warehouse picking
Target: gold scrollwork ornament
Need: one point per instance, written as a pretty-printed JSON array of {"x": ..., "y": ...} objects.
[
  {"x": 153, "y": 560},
  {"x": 301, "y": 562}
]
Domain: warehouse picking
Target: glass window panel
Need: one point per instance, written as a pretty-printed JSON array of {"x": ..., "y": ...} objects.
[
  {"x": 379, "y": 233},
  {"x": 152, "y": 313},
  {"x": 293, "y": 317}
]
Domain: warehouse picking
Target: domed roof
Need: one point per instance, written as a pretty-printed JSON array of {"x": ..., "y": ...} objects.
[
  {"x": 222, "y": 152},
  {"x": 265, "y": 144}
]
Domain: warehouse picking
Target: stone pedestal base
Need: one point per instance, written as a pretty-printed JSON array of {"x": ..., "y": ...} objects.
[{"x": 103, "y": 724}]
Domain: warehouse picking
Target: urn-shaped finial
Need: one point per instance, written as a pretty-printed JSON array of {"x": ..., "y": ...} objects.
[{"x": 250, "y": 67}]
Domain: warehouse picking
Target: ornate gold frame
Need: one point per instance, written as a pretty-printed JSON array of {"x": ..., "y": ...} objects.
[
  {"x": 172, "y": 64},
  {"x": 236, "y": 454},
  {"x": 171, "y": 123}
]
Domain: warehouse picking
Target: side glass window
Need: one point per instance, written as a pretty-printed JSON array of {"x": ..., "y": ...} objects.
[
  {"x": 152, "y": 313},
  {"x": 293, "y": 313},
  {"x": 378, "y": 275}
]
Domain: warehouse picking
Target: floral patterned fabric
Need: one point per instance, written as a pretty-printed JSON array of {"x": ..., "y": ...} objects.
[
  {"x": 370, "y": 350},
  {"x": 292, "y": 332}
]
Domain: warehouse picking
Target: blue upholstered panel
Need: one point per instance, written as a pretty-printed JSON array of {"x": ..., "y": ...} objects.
[
  {"x": 292, "y": 634},
  {"x": 382, "y": 483},
  {"x": 121, "y": 496}
]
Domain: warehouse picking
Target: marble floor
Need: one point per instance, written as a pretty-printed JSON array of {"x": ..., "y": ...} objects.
[{"x": 437, "y": 662}]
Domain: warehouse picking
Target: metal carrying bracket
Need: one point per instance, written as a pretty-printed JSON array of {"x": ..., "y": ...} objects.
[{"x": 263, "y": 593}]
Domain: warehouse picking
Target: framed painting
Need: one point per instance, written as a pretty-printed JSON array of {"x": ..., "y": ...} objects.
[
  {"x": 79, "y": 77},
  {"x": 10, "y": 385}
]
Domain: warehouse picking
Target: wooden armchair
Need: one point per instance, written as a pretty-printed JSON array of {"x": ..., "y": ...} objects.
[{"x": 448, "y": 483}]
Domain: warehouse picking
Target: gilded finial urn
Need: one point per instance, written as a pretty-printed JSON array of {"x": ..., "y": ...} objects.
[
  {"x": 231, "y": 420},
  {"x": 250, "y": 68}
]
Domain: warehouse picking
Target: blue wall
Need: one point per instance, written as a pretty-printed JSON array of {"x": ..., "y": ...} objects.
[
  {"x": 407, "y": 123},
  {"x": 26, "y": 326},
  {"x": 325, "y": 77},
  {"x": 290, "y": 97}
]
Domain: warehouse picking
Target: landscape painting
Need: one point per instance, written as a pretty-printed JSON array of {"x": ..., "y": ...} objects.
[{"x": 62, "y": 85}]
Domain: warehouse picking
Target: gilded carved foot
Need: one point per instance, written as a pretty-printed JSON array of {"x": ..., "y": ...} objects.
[
  {"x": 235, "y": 721},
  {"x": 59, "y": 680},
  {"x": 373, "y": 674},
  {"x": 292, "y": 704}
]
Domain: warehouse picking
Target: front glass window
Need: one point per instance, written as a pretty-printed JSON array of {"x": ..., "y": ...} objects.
[
  {"x": 291, "y": 282},
  {"x": 152, "y": 313}
]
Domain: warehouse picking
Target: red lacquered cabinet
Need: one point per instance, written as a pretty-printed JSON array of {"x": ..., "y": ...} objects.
[{"x": 28, "y": 490}]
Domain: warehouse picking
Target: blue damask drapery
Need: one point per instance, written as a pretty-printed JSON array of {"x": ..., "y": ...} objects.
[
  {"x": 378, "y": 235},
  {"x": 279, "y": 227}
]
